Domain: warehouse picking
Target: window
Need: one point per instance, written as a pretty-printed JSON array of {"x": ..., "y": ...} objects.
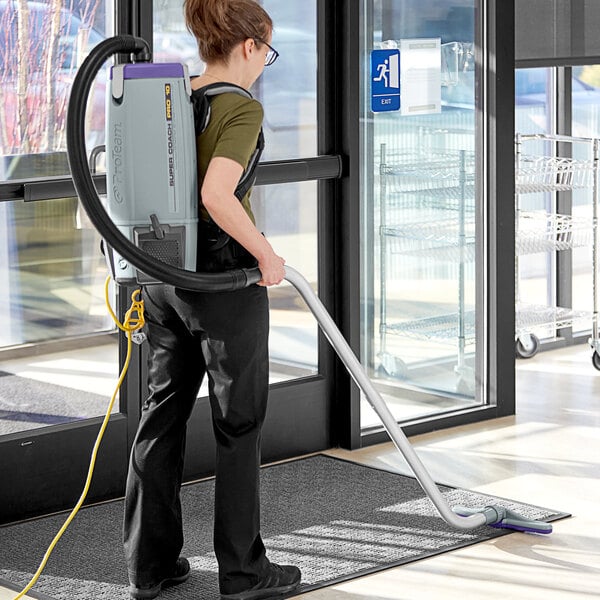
[
  {"x": 534, "y": 113},
  {"x": 52, "y": 272},
  {"x": 550, "y": 279},
  {"x": 419, "y": 211},
  {"x": 287, "y": 213},
  {"x": 37, "y": 66},
  {"x": 287, "y": 89},
  {"x": 585, "y": 95}
]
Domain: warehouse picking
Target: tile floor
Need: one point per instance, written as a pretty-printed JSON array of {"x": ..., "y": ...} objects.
[{"x": 548, "y": 454}]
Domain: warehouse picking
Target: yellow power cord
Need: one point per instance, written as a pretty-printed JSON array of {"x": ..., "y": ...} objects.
[{"x": 130, "y": 324}]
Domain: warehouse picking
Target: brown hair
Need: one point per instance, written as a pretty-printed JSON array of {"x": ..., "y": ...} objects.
[{"x": 219, "y": 25}]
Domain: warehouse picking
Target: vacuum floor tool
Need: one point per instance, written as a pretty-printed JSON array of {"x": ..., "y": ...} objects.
[{"x": 158, "y": 152}]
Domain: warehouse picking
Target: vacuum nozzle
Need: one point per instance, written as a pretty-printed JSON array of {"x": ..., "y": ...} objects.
[{"x": 503, "y": 518}]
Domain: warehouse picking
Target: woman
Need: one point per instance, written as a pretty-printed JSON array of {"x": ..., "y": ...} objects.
[{"x": 224, "y": 335}]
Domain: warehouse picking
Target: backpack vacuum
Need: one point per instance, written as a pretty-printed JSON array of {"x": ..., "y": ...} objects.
[{"x": 150, "y": 221}]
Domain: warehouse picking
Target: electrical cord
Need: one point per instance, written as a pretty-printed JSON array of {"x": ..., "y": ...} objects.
[{"x": 134, "y": 320}]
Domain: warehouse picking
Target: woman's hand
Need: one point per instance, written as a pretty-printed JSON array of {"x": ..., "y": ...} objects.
[{"x": 272, "y": 270}]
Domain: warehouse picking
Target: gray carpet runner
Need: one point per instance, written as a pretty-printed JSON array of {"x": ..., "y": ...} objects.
[{"x": 334, "y": 519}]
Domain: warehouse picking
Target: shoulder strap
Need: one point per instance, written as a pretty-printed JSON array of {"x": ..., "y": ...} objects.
[
  {"x": 201, "y": 99},
  {"x": 249, "y": 175}
]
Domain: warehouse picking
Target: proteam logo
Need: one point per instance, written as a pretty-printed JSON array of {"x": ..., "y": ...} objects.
[
  {"x": 117, "y": 162},
  {"x": 170, "y": 143}
]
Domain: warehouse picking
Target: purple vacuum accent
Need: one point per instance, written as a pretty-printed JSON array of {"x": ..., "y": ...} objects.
[
  {"x": 151, "y": 70},
  {"x": 504, "y": 518},
  {"x": 523, "y": 528}
]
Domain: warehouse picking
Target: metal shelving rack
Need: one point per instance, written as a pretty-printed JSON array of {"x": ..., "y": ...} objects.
[
  {"x": 541, "y": 231},
  {"x": 427, "y": 210}
]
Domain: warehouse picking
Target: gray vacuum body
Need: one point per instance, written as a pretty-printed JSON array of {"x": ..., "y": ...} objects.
[{"x": 152, "y": 190}]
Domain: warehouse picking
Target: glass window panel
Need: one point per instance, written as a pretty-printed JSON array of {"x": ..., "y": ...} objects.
[
  {"x": 536, "y": 272},
  {"x": 585, "y": 123},
  {"x": 57, "y": 387},
  {"x": 287, "y": 215},
  {"x": 287, "y": 89},
  {"x": 418, "y": 213},
  {"x": 52, "y": 273},
  {"x": 41, "y": 46},
  {"x": 52, "y": 290}
]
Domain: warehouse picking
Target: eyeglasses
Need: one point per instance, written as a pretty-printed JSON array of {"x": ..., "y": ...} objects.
[{"x": 272, "y": 54}]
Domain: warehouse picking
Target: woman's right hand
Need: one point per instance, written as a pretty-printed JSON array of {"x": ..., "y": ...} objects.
[{"x": 272, "y": 270}]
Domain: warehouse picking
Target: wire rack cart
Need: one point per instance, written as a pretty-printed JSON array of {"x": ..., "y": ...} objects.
[
  {"x": 544, "y": 231},
  {"x": 427, "y": 210}
]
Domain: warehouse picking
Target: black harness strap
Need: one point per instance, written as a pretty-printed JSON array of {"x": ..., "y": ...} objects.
[{"x": 201, "y": 99}]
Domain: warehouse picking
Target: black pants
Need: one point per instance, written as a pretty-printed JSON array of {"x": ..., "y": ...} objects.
[{"x": 225, "y": 336}]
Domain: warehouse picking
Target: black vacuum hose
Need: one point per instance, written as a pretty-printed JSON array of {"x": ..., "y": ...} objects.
[{"x": 86, "y": 190}]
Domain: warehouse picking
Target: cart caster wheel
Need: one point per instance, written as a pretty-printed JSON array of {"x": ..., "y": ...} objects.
[
  {"x": 596, "y": 361},
  {"x": 392, "y": 366},
  {"x": 527, "y": 346}
]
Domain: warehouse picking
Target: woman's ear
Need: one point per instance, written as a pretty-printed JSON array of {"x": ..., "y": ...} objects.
[{"x": 249, "y": 46}]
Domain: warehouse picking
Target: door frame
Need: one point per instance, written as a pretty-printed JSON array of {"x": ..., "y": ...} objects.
[
  {"x": 495, "y": 183},
  {"x": 47, "y": 466}
]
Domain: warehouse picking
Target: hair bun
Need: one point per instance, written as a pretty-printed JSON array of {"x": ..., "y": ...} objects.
[{"x": 219, "y": 25}]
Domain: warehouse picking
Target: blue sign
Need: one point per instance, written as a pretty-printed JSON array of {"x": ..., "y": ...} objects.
[{"x": 385, "y": 80}]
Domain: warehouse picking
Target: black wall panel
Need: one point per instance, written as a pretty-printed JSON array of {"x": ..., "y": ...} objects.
[{"x": 556, "y": 32}]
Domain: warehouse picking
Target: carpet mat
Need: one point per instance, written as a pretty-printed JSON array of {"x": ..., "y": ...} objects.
[{"x": 335, "y": 519}]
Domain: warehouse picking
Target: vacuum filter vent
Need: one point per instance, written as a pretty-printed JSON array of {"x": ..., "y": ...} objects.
[
  {"x": 168, "y": 251},
  {"x": 166, "y": 244}
]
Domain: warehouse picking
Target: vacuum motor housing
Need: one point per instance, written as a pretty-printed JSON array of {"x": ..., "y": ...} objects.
[{"x": 152, "y": 190}]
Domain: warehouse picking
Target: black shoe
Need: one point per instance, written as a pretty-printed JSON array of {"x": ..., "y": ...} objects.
[
  {"x": 278, "y": 580},
  {"x": 181, "y": 573}
]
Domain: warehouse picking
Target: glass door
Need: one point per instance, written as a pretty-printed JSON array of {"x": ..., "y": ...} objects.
[
  {"x": 58, "y": 350},
  {"x": 420, "y": 213},
  {"x": 556, "y": 279},
  {"x": 585, "y": 122},
  {"x": 536, "y": 271},
  {"x": 287, "y": 213},
  {"x": 60, "y": 354}
]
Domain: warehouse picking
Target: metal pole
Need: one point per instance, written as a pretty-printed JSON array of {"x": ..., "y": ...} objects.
[
  {"x": 359, "y": 375},
  {"x": 461, "y": 263},
  {"x": 595, "y": 255},
  {"x": 518, "y": 141},
  {"x": 382, "y": 250}
]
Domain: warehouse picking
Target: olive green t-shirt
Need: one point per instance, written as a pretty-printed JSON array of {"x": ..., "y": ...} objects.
[{"x": 232, "y": 132}]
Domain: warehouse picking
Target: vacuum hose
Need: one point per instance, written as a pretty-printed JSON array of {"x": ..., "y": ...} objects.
[{"x": 86, "y": 190}]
